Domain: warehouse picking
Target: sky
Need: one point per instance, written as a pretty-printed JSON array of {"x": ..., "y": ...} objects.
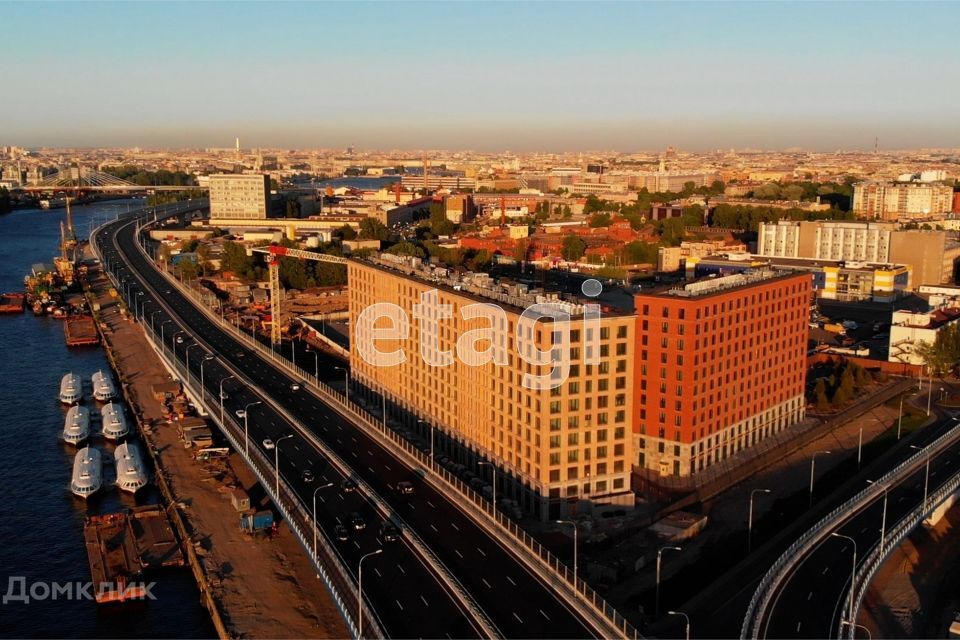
[{"x": 489, "y": 76}]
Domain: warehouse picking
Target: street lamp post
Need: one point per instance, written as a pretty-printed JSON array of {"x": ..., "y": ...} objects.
[
  {"x": 222, "y": 380},
  {"x": 926, "y": 477},
  {"x": 860, "y": 448},
  {"x": 203, "y": 389},
  {"x": 813, "y": 463},
  {"x": 493, "y": 469},
  {"x": 316, "y": 364},
  {"x": 883, "y": 518},
  {"x": 686, "y": 619},
  {"x": 900, "y": 418},
  {"x": 574, "y": 525},
  {"x": 152, "y": 329},
  {"x": 323, "y": 486},
  {"x": 656, "y": 608},
  {"x": 163, "y": 341},
  {"x": 346, "y": 381},
  {"x": 853, "y": 571},
  {"x": 750, "y": 518},
  {"x": 419, "y": 421},
  {"x": 360, "y": 590},
  {"x": 246, "y": 417},
  {"x": 276, "y": 461}
]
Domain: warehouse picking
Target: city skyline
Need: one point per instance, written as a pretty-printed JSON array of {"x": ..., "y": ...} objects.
[{"x": 526, "y": 76}]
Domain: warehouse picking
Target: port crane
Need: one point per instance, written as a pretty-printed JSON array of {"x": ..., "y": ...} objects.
[{"x": 274, "y": 253}]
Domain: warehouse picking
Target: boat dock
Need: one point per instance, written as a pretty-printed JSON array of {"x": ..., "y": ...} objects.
[
  {"x": 11, "y": 303},
  {"x": 121, "y": 546},
  {"x": 80, "y": 331}
]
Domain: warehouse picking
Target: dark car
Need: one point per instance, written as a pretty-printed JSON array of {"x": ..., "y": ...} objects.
[
  {"x": 308, "y": 476},
  {"x": 405, "y": 487},
  {"x": 356, "y": 521},
  {"x": 341, "y": 533},
  {"x": 348, "y": 485},
  {"x": 389, "y": 532}
]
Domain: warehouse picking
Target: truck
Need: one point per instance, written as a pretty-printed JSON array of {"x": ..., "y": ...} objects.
[
  {"x": 259, "y": 521},
  {"x": 835, "y": 328}
]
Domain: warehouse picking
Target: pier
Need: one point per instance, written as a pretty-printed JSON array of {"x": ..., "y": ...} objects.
[{"x": 121, "y": 546}]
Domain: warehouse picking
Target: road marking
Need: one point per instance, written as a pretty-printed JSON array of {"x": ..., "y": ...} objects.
[
  {"x": 297, "y": 447},
  {"x": 809, "y": 595},
  {"x": 901, "y": 498},
  {"x": 410, "y": 504},
  {"x": 377, "y": 571},
  {"x": 371, "y": 469},
  {"x": 431, "y": 504},
  {"x": 544, "y": 615},
  {"x": 401, "y": 569},
  {"x": 798, "y": 626},
  {"x": 424, "y": 600},
  {"x": 434, "y": 529},
  {"x": 457, "y": 551},
  {"x": 484, "y": 580},
  {"x": 399, "y": 605},
  {"x": 863, "y": 530},
  {"x": 453, "y": 524},
  {"x": 387, "y": 468},
  {"x": 510, "y": 580},
  {"x": 354, "y": 454},
  {"x": 519, "y": 619},
  {"x": 483, "y": 554},
  {"x": 356, "y": 543},
  {"x": 825, "y": 569}
]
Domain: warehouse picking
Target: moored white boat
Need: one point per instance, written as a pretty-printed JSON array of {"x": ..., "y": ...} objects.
[
  {"x": 103, "y": 389},
  {"x": 114, "y": 421},
  {"x": 131, "y": 475},
  {"x": 71, "y": 389},
  {"x": 87, "y": 472},
  {"x": 76, "y": 426}
]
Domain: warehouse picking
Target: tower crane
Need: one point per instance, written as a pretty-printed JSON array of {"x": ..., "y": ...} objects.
[{"x": 274, "y": 253}]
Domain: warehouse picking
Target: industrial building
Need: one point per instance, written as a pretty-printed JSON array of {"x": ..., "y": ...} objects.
[{"x": 719, "y": 365}]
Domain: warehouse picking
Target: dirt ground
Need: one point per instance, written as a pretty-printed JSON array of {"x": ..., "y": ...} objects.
[{"x": 265, "y": 588}]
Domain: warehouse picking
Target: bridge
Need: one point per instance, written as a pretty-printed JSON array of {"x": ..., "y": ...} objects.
[{"x": 86, "y": 179}]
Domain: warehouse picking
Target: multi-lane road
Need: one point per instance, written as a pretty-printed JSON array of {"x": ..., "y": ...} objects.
[
  {"x": 809, "y": 603},
  {"x": 410, "y": 597}
]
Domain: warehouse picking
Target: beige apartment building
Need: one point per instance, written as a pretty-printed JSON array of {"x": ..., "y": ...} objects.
[
  {"x": 896, "y": 201},
  {"x": 558, "y": 451},
  {"x": 239, "y": 197},
  {"x": 931, "y": 255}
]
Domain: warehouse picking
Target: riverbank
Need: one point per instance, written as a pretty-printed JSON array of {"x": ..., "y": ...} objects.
[{"x": 252, "y": 586}]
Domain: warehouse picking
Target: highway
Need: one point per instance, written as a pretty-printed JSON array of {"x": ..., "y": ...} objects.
[
  {"x": 809, "y": 603},
  {"x": 410, "y": 600}
]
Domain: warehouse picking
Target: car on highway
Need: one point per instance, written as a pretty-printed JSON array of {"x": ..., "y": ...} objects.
[
  {"x": 348, "y": 485},
  {"x": 294, "y": 386},
  {"x": 241, "y": 413},
  {"x": 341, "y": 533},
  {"x": 268, "y": 444},
  {"x": 356, "y": 521},
  {"x": 308, "y": 476},
  {"x": 389, "y": 532},
  {"x": 405, "y": 487}
]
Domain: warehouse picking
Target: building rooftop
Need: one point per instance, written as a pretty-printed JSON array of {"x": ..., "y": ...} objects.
[{"x": 711, "y": 285}]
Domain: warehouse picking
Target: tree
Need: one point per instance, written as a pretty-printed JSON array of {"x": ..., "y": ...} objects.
[
  {"x": 346, "y": 232},
  {"x": 188, "y": 268},
  {"x": 521, "y": 249},
  {"x": 820, "y": 395},
  {"x": 602, "y": 219},
  {"x": 638, "y": 252},
  {"x": 693, "y": 216},
  {"x": 573, "y": 248},
  {"x": 671, "y": 231},
  {"x": 406, "y": 249},
  {"x": 373, "y": 229},
  {"x": 439, "y": 224}
]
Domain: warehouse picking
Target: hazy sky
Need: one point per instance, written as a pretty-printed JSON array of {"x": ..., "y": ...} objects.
[{"x": 487, "y": 76}]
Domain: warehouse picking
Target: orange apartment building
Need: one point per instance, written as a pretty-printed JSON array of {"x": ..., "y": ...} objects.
[
  {"x": 557, "y": 450},
  {"x": 719, "y": 365}
]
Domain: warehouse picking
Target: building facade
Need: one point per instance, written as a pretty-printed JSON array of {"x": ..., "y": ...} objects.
[
  {"x": 898, "y": 200},
  {"x": 929, "y": 254},
  {"x": 557, "y": 450},
  {"x": 239, "y": 197},
  {"x": 720, "y": 365}
]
